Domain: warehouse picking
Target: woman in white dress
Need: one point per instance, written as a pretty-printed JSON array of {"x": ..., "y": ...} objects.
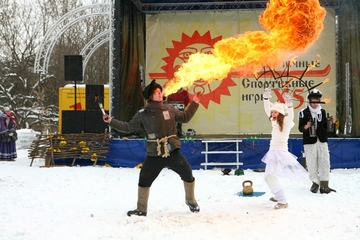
[{"x": 279, "y": 161}]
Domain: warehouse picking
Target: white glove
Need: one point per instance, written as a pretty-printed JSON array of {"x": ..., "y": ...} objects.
[
  {"x": 267, "y": 93},
  {"x": 288, "y": 100}
]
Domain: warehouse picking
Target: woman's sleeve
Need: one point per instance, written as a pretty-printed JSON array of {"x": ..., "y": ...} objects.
[
  {"x": 267, "y": 106},
  {"x": 289, "y": 119},
  {"x": 291, "y": 113}
]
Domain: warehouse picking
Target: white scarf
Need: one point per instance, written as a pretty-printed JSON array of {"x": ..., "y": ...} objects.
[{"x": 316, "y": 112}]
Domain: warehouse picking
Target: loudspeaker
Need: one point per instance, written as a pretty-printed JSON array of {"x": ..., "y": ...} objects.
[
  {"x": 94, "y": 122},
  {"x": 73, "y": 68},
  {"x": 83, "y": 121},
  {"x": 94, "y": 94},
  {"x": 72, "y": 121}
]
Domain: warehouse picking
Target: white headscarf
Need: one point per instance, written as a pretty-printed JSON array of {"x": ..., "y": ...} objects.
[{"x": 316, "y": 112}]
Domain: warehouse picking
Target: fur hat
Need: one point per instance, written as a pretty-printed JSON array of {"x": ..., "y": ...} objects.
[
  {"x": 279, "y": 107},
  {"x": 6, "y": 109},
  {"x": 314, "y": 94},
  {"x": 149, "y": 89}
]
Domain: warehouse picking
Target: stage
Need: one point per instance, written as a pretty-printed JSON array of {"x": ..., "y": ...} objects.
[
  {"x": 248, "y": 150},
  {"x": 344, "y": 152}
]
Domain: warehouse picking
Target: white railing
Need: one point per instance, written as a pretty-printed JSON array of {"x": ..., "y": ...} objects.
[{"x": 207, "y": 152}]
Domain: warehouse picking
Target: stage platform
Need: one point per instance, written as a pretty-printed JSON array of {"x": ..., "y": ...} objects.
[
  {"x": 344, "y": 152},
  {"x": 130, "y": 152}
]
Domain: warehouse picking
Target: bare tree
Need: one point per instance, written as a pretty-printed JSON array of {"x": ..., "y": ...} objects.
[
  {"x": 23, "y": 24},
  {"x": 18, "y": 35}
]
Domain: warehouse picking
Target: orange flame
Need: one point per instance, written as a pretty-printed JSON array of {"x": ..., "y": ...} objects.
[
  {"x": 326, "y": 80},
  {"x": 313, "y": 65},
  {"x": 326, "y": 100},
  {"x": 292, "y": 26},
  {"x": 288, "y": 82},
  {"x": 292, "y": 61}
]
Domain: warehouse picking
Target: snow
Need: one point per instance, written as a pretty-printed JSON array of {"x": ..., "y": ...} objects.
[{"x": 91, "y": 203}]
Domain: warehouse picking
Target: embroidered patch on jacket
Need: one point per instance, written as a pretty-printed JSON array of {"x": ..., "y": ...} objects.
[{"x": 166, "y": 115}]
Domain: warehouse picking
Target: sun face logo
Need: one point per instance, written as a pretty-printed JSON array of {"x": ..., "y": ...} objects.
[{"x": 180, "y": 53}]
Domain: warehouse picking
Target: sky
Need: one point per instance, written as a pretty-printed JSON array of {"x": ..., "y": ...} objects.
[{"x": 86, "y": 202}]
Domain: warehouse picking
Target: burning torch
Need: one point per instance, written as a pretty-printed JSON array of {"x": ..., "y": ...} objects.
[{"x": 101, "y": 108}]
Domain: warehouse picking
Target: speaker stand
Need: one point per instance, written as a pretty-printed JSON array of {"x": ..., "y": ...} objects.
[{"x": 75, "y": 95}]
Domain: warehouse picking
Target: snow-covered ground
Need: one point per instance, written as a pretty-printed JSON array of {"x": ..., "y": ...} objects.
[{"x": 91, "y": 203}]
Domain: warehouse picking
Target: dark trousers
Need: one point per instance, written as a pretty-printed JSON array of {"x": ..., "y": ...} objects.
[{"x": 152, "y": 167}]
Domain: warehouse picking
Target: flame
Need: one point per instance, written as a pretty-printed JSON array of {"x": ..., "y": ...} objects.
[
  {"x": 287, "y": 83},
  {"x": 326, "y": 100},
  {"x": 292, "y": 26},
  {"x": 326, "y": 80},
  {"x": 316, "y": 62},
  {"x": 292, "y": 61},
  {"x": 312, "y": 65}
]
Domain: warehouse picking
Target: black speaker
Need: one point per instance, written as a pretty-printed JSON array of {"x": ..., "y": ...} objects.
[
  {"x": 82, "y": 121},
  {"x": 72, "y": 121},
  {"x": 73, "y": 68},
  {"x": 94, "y": 122},
  {"x": 94, "y": 94}
]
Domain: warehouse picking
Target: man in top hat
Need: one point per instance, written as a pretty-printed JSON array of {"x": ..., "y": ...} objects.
[
  {"x": 313, "y": 125},
  {"x": 158, "y": 121}
]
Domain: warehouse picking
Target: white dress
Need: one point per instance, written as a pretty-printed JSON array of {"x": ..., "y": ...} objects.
[{"x": 279, "y": 161}]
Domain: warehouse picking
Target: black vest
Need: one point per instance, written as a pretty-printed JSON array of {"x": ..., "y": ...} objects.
[{"x": 321, "y": 131}]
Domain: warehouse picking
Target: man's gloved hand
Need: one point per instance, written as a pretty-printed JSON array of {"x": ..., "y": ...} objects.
[
  {"x": 288, "y": 100},
  {"x": 267, "y": 93}
]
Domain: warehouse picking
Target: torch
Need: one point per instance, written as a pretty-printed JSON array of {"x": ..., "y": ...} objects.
[
  {"x": 101, "y": 108},
  {"x": 325, "y": 81}
]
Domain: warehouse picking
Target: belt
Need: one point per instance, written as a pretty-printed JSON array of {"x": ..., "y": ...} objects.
[{"x": 163, "y": 140}]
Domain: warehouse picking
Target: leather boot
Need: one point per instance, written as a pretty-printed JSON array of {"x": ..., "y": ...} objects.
[
  {"x": 143, "y": 197},
  {"x": 189, "y": 196},
  {"x": 324, "y": 187},
  {"x": 314, "y": 188}
]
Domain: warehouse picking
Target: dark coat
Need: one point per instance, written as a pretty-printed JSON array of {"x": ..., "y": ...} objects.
[
  {"x": 157, "y": 120},
  {"x": 321, "y": 131}
]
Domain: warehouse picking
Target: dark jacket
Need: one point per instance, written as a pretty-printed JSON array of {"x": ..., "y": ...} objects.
[
  {"x": 158, "y": 120},
  {"x": 321, "y": 131}
]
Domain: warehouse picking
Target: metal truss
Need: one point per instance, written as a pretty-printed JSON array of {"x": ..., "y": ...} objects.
[
  {"x": 65, "y": 22},
  {"x": 175, "y": 6},
  {"x": 92, "y": 45},
  {"x": 105, "y": 9}
]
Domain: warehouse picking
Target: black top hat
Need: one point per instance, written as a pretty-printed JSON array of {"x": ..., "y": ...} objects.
[
  {"x": 314, "y": 94},
  {"x": 149, "y": 89}
]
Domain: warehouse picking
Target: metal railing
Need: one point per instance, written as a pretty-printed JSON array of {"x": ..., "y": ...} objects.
[{"x": 207, "y": 152}]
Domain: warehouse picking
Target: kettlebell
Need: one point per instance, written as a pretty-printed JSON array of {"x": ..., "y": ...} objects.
[{"x": 247, "y": 187}]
